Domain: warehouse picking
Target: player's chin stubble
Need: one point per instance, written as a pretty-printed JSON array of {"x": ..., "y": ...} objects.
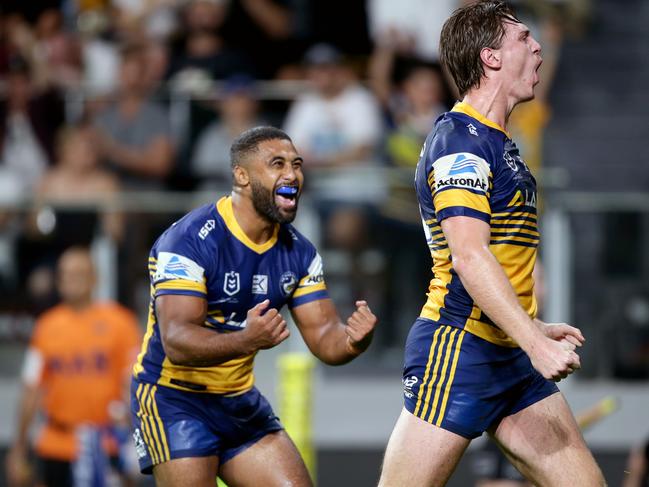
[{"x": 263, "y": 200}]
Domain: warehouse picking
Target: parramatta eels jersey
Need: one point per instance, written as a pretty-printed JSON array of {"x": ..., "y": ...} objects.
[
  {"x": 469, "y": 166},
  {"x": 207, "y": 254}
]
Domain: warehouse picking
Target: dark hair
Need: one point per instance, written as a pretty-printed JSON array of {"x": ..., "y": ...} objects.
[
  {"x": 249, "y": 140},
  {"x": 469, "y": 30}
]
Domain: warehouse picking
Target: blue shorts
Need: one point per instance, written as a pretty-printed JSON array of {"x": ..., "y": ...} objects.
[
  {"x": 464, "y": 384},
  {"x": 169, "y": 423}
]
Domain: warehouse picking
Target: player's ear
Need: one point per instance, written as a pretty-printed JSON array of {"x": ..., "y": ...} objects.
[
  {"x": 491, "y": 58},
  {"x": 240, "y": 176}
]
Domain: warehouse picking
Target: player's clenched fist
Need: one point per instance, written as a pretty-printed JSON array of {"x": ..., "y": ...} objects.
[
  {"x": 265, "y": 329},
  {"x": 553, "y": 359},
  {"x": 360, "y": 327}
]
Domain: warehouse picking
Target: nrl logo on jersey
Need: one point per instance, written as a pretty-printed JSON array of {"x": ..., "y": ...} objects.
[
  {"x": 511, "y": 162},
  {"x": 231, "y": 283}
]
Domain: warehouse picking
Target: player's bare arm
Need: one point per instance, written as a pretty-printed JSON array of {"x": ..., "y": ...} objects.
[
  {"x": 187, "y": 342},
  {"x": 328, "y": 338},
  {"x": 486, "y": 282}
]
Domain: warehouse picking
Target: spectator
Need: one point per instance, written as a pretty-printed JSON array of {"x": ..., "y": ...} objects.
[
  {"x": 57, "y": 50},
  {"x": 67, "y": 212},
  {"x": 267, "y": 31},
  {"x": 338, "y": 123},
  {"x": 201, "y": 51},
  {"x": 238, "y": 111},
  {"x": 146, "y": 19},
  {"x": 416, "y": 24},
  {"x": 77, "y": 179},
  {"x": 132, "y": 134},
  {"x": 75, "y": 372},
  {"x": 337, "y": 127},
  {"x": 29, "y": 119}
]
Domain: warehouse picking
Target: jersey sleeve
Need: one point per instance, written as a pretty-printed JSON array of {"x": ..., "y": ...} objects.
[
  {"x": 460, "y": 185},
  {"x": 311, "y": 286},
  {"x": 180, "y": 265}
]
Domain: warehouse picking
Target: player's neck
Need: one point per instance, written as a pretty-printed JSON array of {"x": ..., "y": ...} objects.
[
  {"x": 491, "y": 104},
  {"x": 256, "y": 227}
]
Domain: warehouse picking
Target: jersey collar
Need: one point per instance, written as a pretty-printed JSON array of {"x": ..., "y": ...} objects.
[
  {"x": 464, "y": 107},
  {"x": 224, "y": 207}
]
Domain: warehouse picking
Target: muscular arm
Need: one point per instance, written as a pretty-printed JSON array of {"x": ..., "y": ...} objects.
[
  {"x": 484, "y": 278},
  {"x": 328, "y": 337},
  {"x": 187, "y": 342},
  {"x": 486, "y": 282}
]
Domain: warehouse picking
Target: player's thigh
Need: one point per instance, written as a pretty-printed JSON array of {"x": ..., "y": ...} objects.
[
  {"x": 272, "y": 461},
  {"x": 544, "y": 442},
  {"x": 180, "y": 472},
  {"x": 420, "y": 453}
]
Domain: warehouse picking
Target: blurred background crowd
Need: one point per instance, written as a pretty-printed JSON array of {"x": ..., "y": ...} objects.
[{"x": 116, "y": 117}]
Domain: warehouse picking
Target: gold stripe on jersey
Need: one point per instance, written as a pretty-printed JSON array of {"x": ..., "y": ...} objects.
[
  {"x": 449, "y": 383},
  {"x": 437, "y": 290},
  {"x": 431, "y": 180},
  {"x": 442, "y": 376},
  {"x": 182, "y": 285},
  {"x": 304, "y": 290},
  {"x": 232, "y": 376},
  {"x": 224, "y": 207},
  {"x": 467, "y": 109},
  {"x": 150, "y": 323},
  {"x": 461, "y": 197}
]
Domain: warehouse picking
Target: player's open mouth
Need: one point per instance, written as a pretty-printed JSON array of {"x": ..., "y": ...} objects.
[{"x": 286, "y": 197}]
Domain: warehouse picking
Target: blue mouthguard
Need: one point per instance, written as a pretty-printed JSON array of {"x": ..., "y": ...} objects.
[{"x": 287, "y": 191}]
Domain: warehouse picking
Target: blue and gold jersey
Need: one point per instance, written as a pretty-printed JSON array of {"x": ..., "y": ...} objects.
[
  {"x": 469, "y": 166},
  {"x": 207, "y": 254}
]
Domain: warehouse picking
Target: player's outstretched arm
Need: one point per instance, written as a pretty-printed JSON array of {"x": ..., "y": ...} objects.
[
  {"x": 328, "y": 338},
  {"x": 187, "y": 342},
  {"x": 486, "y": 282}
]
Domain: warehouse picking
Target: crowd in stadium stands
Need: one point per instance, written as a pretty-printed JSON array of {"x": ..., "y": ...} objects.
[{"x": 87, "y": 111}]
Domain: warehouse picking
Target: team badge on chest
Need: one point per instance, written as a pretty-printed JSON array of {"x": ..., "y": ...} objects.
[{"x": 288, "y": 282}]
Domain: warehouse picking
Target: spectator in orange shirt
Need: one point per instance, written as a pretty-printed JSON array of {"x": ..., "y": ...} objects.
[{"x": 75, "y": 372}]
